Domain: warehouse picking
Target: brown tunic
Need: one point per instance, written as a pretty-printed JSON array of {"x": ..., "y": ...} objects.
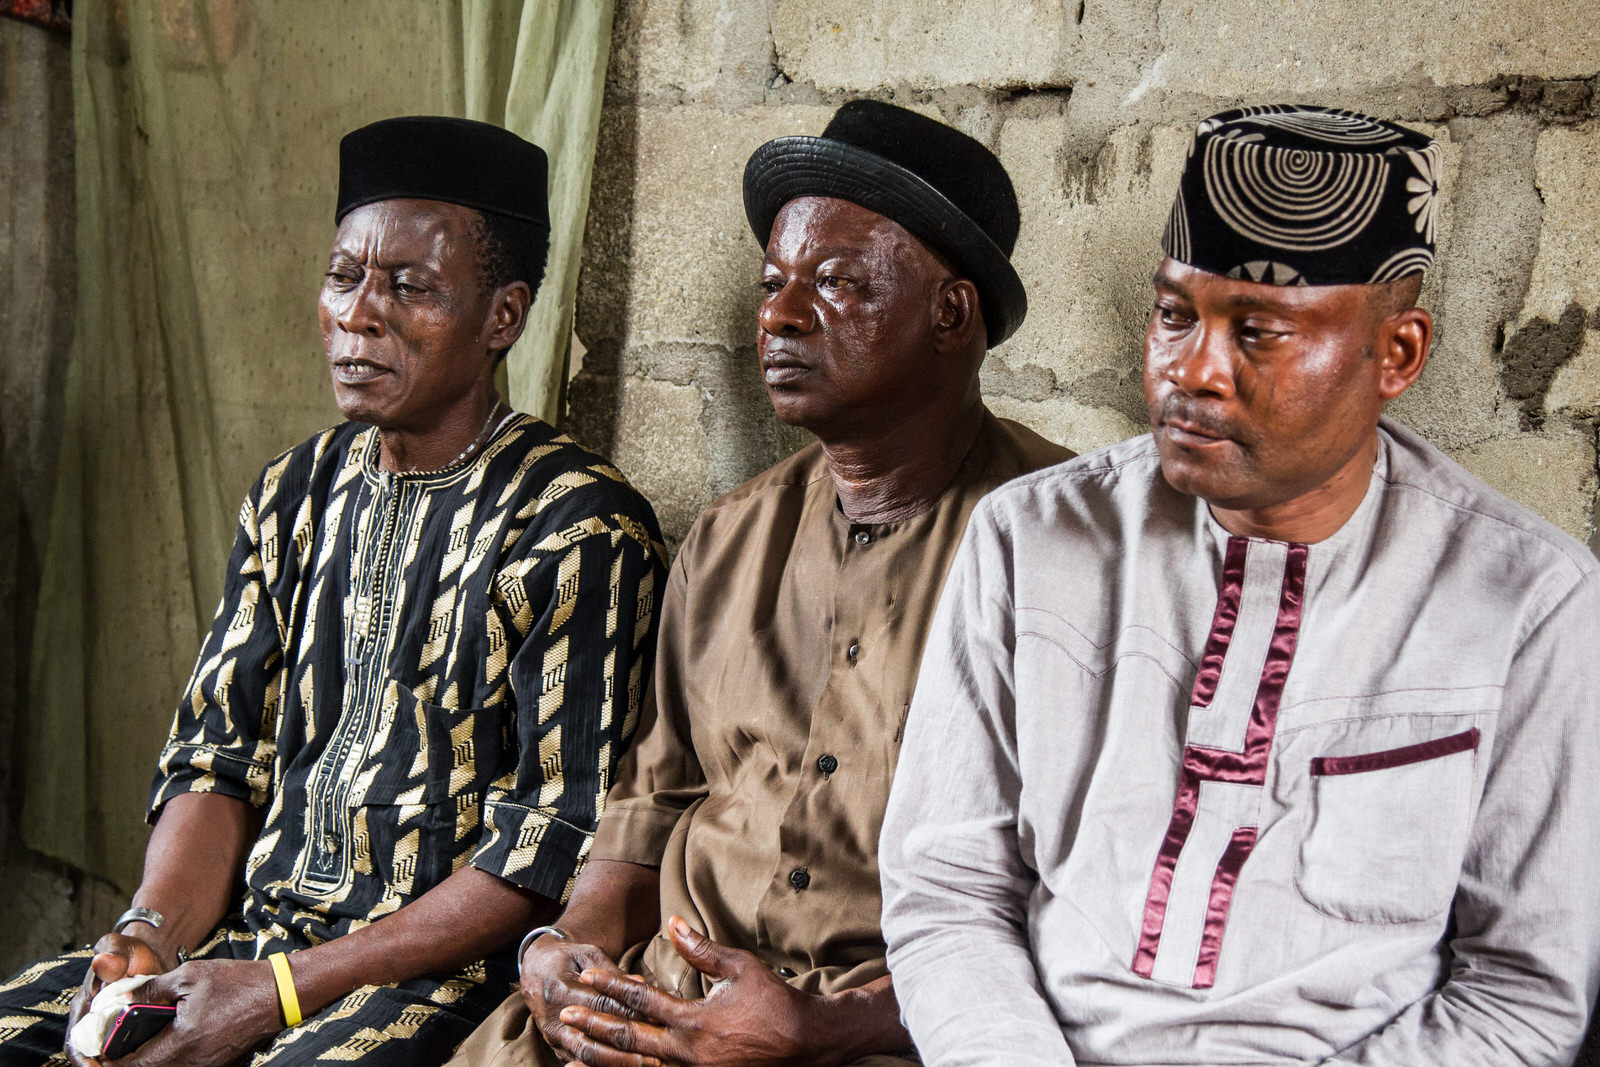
[{"x": 790, "y": 640}]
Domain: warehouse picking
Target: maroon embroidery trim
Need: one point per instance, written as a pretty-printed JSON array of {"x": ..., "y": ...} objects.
[
  {"x": 1248, "y": 767},
  {"x": 1216, "y": 650},
  {"x": 1466, "y": 741},
  {"x": 1155, "y": 900},
  {"x": 1238, "y": 850}
]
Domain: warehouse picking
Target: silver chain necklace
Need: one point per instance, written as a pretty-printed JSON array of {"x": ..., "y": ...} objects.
[{"x": 483, "y": 435}]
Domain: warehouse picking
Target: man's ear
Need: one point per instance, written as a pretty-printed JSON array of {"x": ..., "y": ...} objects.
[
  {"x": 508, "y": 314},
  {"x": 957, "y": 318},
  {"x": 1405, "y": 338}
]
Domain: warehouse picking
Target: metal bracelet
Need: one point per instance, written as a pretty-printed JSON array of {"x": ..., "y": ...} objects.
[
  {"x": 138, "y": 915},
  {"x": 533, "y": 935}
]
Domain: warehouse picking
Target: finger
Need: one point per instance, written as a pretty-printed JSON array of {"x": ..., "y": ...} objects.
[
  {"x": 638, "y": 999},
  {"x": 79, "y": 1004},
  {"x": 119, "y": 956},
  {"x": 113, "y": 943},
  {"x": 576, "y": 1046},
  {"x": 703, "y": 954},
  {"x": 107, "y": 967},
  {"x": 586, "y": 996},
  {"x": 158, "y": 1050},
  {"x": 623, "y": 1035},
  {"x": 164, "y": 988},
  {"x": 91, "y": 984},
  {"x": 594, "y": 960},
  {"x": 72, "y": 1055}
]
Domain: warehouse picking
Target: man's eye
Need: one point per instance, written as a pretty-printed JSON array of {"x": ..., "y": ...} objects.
[
  {"x": 770, "y": 285},
  {"x": 340, "y": 276},
  {"x": 408, "y": 288},
  {"x": 833, "y": 281},
  {"x": 1171, "y": 316}
]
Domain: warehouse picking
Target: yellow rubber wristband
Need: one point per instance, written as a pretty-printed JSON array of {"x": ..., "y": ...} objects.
[{"x": 288, "y": 1000}]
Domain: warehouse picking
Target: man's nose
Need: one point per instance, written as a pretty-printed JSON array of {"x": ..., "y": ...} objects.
[
  {"x": 360, "y": 311},
  {"x": 786, "y": 311},
  {"x": 1202, "y": 364}
]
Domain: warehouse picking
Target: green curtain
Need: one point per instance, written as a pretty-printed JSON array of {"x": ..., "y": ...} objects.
[{"x": 207, "y": 141}]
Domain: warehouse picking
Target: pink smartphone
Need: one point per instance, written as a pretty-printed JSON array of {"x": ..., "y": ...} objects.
[{"x": 136, "y": 1024}]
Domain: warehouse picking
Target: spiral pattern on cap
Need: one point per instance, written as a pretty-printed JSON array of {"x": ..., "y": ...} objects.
[
  {"x": 1332, "y": 127},
  {"x": 1407, "y": 261},
  {"x": 1293, "y": 198},
  {"x": 1175, "y": 240}
]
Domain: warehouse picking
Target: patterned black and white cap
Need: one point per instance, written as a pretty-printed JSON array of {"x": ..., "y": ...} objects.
[{"x": 1292, "y": 195}]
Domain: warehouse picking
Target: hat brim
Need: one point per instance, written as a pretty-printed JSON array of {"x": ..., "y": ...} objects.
[{"x": 791, "y": 167}]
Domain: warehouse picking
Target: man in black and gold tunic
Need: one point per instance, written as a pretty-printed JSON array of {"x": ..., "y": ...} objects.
[{"x": 436, "y": 626}]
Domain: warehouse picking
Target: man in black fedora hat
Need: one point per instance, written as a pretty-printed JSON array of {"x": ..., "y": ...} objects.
[
  {"x": 391, "y": 753},
  {"x": 729, "y": 910}
]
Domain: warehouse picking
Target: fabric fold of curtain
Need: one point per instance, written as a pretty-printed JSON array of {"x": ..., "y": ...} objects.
[{"x": 207, "y": 135}]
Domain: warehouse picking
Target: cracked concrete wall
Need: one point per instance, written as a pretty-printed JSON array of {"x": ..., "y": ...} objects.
[{"x": 1090, "y": 103}]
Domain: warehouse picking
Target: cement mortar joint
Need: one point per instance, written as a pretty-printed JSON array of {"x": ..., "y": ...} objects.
[{"x": 1575, "y": 100}]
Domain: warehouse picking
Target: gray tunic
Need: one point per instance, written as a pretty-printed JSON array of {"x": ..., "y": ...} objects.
[{"x": 1169, "y": 796}]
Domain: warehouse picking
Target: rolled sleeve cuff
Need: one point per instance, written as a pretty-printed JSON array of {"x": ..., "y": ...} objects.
[
  {"x": 635, "y": 834},
  {"x": 531, "y": 848},
  {"x": 189, "y": 768}
]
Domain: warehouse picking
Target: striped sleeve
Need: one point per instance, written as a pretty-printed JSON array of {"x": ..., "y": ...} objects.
[
  {"x": 223, "y": 738},
  {"x": 580, "y": 611}
]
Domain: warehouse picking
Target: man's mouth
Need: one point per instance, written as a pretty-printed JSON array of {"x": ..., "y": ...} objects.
[
  {"x": 1180, "y": 433},
  {"x": 353, "y": 371},
  {"x": 779, "y": 369},
  {"x": 1193, "y": 429}
]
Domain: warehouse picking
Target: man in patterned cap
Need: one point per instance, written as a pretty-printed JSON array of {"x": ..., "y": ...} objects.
[
  {"x": 1262, "y": 739},
  {"x": 736, "y": 869},
  {"x": 428, "y": 657}
]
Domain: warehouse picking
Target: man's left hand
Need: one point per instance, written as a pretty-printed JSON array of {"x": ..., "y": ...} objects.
[
  {"x": 751, "y": 1016},
  {"x": 226, "y": 1008}
]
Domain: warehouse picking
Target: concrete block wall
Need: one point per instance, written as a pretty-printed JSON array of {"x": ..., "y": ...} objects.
[{"x": 1090, "y": 104}]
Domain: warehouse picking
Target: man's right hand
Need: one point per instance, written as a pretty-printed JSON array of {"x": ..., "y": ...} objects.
[
  {"x": 115, "y": 956},
  {"x": 550, "y": 970}
]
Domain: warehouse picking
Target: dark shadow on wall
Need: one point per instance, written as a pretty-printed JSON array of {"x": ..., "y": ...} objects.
[{"x": 593, "y": 394}]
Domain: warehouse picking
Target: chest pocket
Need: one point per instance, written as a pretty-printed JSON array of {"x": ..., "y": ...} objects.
[
  {"x": 430, "y": 755},
  {"x": 1386, "y": 825}
]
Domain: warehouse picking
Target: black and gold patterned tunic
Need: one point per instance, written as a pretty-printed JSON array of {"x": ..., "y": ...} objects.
[
  {"x": 416, "y": 672},
  {"x": 408, "y": 673}
]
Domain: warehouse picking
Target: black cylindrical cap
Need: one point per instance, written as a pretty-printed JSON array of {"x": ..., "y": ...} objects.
[{"x": 458, "y": 161}]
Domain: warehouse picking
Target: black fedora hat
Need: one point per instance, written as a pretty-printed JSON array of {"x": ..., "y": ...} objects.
[{"x": 941, "y": 185}]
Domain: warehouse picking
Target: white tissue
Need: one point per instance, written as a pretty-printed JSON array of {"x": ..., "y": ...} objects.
[{"x": 89, "y": 1035}]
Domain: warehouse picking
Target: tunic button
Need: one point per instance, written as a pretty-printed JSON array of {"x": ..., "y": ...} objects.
[
  {"x": 853, "y": 652},
  {"x": 799, "y": 877},
  {"x": 827, "y": 764},
  {"x": 863, "y": 538}
]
